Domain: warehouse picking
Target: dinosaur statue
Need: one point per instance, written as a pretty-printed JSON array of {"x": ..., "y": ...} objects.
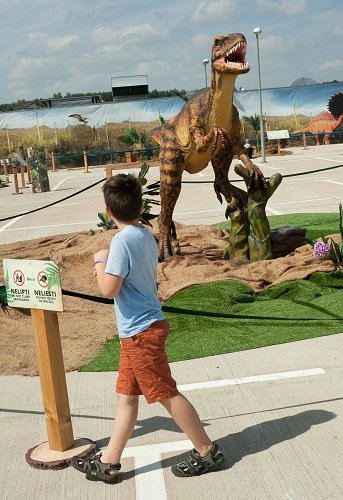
[
  {"x": 323, "y": 123},
  {"x": 326, "y": 121},
  {"x": 207, "y": 129}
]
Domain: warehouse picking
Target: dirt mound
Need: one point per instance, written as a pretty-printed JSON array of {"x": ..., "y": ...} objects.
[{"x": 85, "y": 326}]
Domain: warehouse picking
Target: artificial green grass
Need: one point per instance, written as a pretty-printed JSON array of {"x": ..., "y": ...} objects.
[
  {"x": 287, "y": 312},
  {"x": 320, "y": 296},
  {"x": 315, "y": 224}
]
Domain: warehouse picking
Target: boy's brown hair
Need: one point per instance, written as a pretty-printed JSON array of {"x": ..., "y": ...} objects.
[{"x": 123, "y": 197}]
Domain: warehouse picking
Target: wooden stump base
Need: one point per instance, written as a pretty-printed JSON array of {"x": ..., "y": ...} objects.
[{"x": 41, "y": 457}]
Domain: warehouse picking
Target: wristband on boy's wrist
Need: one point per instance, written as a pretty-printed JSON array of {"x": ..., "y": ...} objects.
[{"x": 102, "y": 261}]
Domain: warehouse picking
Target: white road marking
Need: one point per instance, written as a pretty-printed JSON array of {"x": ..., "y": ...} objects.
[
  {"x": 66, "y": 204},
  {"x": 149, "y": 482},
  {"x": 304, "y": 179},
  {"x": 53, "y": 225},
  {"x": 13, "y": 221},
  {"x": 252, "y": 379},
  {"x": 273, "y": 211},
  {"x": 265, "y": 166},
  {"x": 201, "y": 211},
  {"x": 57, "y": 205},
  {"x": 61, "y": 182},
  {"x": 326, "y": 159},
  {"x": 334, "y": 182},
  {"x": 304, "y": 201}
]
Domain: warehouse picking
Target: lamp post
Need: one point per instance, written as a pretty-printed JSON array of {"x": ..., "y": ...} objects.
[
  {"x": 205, "y": 63},
  {"x": 258, "y": 31}
]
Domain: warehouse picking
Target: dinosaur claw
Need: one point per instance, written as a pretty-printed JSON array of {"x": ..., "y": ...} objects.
[{"x": 229, "y": 209}]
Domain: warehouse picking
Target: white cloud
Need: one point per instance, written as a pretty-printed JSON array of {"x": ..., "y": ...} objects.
[
  {"x": 201, "y": 40},
  {"x": 53, "y": 44},
  {"x": 112, "y": 49},
  {"x": 104, "y": 35},
  {"x": 332, "y": 64},
  {"x": 26, "y": 66},
  {"x": 215, "y": 9},
  {"x": 142, "y": 30},
  {"x": 275, "y": 44},
  {"x": 287, "y": 7}
]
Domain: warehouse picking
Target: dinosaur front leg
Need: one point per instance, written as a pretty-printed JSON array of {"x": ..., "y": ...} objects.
[
  {"x": 170, "y": 177},
  {"x": 236, "y": 198},
  {"x": 204, "y": 141},
  {"x": 256, "y": 176}
]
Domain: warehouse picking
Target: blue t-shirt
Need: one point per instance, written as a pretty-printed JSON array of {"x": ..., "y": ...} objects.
[{"x": 133, "y": 257}]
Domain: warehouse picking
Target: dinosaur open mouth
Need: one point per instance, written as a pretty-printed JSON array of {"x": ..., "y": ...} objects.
[{"x": 235, "y": 57}]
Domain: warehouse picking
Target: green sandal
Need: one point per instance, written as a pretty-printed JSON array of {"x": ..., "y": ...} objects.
[
  {"x": 195, "y": 465},
  {"x": 96, "y": 470}
]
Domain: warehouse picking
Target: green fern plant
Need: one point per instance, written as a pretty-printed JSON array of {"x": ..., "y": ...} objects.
[
  {"x": 152, "y": 189},
  {"x": 53, "y": 273},
  {"x": 105, "y": 221}
]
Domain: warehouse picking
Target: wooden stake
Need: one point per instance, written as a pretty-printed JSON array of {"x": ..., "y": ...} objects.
[
  {"x": 8, "y": 140},
  {"x": 52, "y": 379},
  {"x": 304, "y": 141},
  {"x": 29, "y": 180},
  {"x": 53, "y": 162},
  {"x": 85, "y": 161},
  {"x": 15, "y": 178},
  {"x": 22, "y": 176},
  {"x": 4, "y": 164},
  {"x": 107, "y": 138}
]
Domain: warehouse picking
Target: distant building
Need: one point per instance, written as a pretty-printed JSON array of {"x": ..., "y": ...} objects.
[
  {"x": 302, "y": 81},
  {"x": 61, "y": 102}
]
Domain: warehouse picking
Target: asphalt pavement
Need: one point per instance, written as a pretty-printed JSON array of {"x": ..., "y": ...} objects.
[{"x": 276, "y": 412}]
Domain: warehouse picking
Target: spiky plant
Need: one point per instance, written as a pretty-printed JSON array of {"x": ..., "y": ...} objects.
[{"x": 254, "y": 121}]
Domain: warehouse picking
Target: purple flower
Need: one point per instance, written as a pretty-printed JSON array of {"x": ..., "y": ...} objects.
[{"x": 321, "y": 249}]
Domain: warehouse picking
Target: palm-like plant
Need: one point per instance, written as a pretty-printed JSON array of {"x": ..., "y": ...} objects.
[
  {"x": 149, "y": 190},
  {"x": 134, "y": 139},
  {"x": 254, "y": 121}
]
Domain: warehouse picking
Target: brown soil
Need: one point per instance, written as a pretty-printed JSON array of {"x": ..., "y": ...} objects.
[{"x": 85, "y": 326}]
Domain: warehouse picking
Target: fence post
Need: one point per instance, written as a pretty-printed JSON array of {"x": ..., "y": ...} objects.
[
  {"x": 15, "y": 178},
  {"x": 304, "y": 141},
  {"x": 22, "y": 177},
  {"x": 85, "y": 161},
  {"x": 53, "y": 162},
  {"x": 4, "y": 164},
  {"x": 29, "y": 180}
]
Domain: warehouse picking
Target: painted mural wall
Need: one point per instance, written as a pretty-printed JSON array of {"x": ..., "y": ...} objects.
[{"x": 98, "y": 126}]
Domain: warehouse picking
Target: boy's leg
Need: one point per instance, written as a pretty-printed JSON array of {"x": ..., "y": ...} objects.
[
  {"x": 124, "y": 423},
  {"x": 186, "y": 417}
]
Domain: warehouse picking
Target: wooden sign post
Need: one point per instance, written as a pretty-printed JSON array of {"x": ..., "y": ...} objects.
[
  {"x": 52, "y": 378},
  {"x": 278, "y": 134},
  {"x": 36, "y": 284}
]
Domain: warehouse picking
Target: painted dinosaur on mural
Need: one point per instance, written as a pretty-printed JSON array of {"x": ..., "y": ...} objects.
[
  {"x": 207, "y": 129},
  {"x": 326, "y": 122}
]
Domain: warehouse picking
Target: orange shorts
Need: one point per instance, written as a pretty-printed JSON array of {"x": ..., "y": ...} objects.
[{"x": 143, "y": 365}]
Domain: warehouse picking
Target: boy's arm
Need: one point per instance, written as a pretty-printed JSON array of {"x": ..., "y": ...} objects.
[{"x": 109, "y": 284}]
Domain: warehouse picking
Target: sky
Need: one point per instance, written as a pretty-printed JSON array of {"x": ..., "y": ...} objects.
[{"x": 78, "y": 45}]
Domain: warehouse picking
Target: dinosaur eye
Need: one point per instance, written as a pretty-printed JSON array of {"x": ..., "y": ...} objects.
[{"x": 218, "y": 44}]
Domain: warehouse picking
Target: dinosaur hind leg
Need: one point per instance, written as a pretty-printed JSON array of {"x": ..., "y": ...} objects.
[{"x": 170, "y": 177}]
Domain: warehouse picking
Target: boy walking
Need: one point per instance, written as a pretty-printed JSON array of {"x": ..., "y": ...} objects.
[{"x": 127, "y": 273}]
